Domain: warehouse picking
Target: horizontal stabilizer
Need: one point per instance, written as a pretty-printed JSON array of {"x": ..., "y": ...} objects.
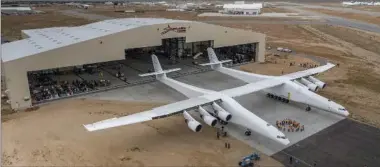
[
  {"x": 213, "y": 63},
  {"x": 160, "y": 72}
]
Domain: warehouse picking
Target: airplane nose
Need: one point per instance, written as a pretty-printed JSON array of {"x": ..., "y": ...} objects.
[
  {"x": 285, "y": 141},
  {"x": 343, "y": 113}
]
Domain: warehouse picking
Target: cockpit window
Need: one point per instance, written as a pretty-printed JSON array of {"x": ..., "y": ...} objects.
[
  {"x": 282, "y": 137},
  {"x": 343, "y": 109}
]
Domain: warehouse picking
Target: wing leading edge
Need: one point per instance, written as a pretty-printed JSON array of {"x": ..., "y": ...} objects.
[
  {"x": 155, "y": 113},
  {"x": 253, "y": 87}
]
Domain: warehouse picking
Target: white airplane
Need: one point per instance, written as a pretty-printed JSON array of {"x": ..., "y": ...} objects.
[
  {"x": 209, "y": 104},
  {"x": 298, "y": 87}
]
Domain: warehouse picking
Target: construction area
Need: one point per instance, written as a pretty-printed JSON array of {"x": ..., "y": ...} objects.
[{"x": 312, "y": 41}]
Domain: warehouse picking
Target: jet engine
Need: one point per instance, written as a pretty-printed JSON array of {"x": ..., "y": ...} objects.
[
  {"x": 298, "y": 83},
  {"x": 221, "y": 113},
  {"x": 191, "y": 122},
  {"x": 207, "y": 118},
  {"x": 319, "y": 83},
  {"x": 309, "y": 84}
]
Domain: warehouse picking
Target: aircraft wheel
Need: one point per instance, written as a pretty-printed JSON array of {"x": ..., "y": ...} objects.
[
  {"x": 271, "y": 96},
  {"x": 287, "y": 101},
  {"x": 268, "y": 95},
  {"x": 308, "y": 108},
  {"x": 247, "y": 133}
]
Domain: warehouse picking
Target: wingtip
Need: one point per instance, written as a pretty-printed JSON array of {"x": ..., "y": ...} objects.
[{"x": 88, "y": 127}]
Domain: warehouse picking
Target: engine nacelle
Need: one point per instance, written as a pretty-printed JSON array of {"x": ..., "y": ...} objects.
[
  {"x": 302, "y": 85},
  {"x": 316, "y": 81},
  {"x": 221, "y": 113},
  {"x": 207, "y": 118},
  {"x": 192, "y": 123},
  {"x": 310, "y": 85}
]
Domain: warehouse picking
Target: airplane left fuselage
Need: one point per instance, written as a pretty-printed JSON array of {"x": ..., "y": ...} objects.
[
  {"x": 245, "y": 118},
  {"x": 240, "y": 115}
]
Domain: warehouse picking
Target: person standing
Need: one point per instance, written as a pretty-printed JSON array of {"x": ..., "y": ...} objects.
[{"x": 296, "y": 163}]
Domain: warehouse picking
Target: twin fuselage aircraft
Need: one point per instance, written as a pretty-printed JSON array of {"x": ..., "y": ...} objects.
[{"x": 214, "y": 107}]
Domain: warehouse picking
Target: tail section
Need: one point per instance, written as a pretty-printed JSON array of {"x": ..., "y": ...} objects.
[
  {"x": 158, "y": 72},
  {"x": 214, "y": 62},
  {"x": 156, "y": 64}
]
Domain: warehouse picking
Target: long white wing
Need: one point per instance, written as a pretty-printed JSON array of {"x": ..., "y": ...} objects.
[
  {"x": 253, "y": 87},
  {"x": 309, "y": 72},
  {"x": 155, "y": 113},
  {"x": 275, "y": 81}
]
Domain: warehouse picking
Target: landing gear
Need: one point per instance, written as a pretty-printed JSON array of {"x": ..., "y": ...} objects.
[
  {"x": 308, "y": 108},
  {"x": 223, "y": 122},
  {"x": 248, "y": 133},
  {"x": 272, "y": 96}
]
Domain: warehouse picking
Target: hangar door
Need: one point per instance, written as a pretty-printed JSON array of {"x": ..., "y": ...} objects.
[
  {"x": 237, "y": 53},
  {"x": 177, "y": 49}
]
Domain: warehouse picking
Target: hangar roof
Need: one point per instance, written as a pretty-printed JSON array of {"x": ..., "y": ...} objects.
[{"x": 42, "y": 40}]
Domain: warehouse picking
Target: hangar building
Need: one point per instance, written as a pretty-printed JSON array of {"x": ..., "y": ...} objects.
[{"x": 56, "y": 50}]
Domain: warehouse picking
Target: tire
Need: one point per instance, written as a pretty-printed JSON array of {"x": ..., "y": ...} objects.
[
  {"x": 247, "y": 133},
  {"x": 308, "y": 108},
  {"x": 287, "y": 101},
  {"x": 268, "y": 95},
  {"x": 271, "y": 96}
]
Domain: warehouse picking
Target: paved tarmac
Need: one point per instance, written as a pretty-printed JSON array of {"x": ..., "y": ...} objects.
[
  {"x": 82, "y": 14},
  {"x": 347, "y": 143},
  {"x": 339, "y": 9},
  {"x": 339, "y": 21}
]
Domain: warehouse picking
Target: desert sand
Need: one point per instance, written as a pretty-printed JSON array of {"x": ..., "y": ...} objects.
[{"x": 53, "y": 135}]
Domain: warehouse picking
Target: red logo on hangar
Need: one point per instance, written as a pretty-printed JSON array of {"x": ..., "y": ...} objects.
[{"x": 174, "y": 29}]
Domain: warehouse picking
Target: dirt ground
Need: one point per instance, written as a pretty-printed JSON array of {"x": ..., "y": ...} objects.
[
  {"x": 367, "y": 8},
  {"x": 54, "y": 136},
  {"x": 11, "y": 26},
  {"x": 348, "y": 15},
  {"x": 275, "y": 10},
  {"x": 278, "y": 64}
]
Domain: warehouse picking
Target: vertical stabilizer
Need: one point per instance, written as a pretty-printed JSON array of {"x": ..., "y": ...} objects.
[
  {"x": 158, "y": 72},
  {"x": 214, "y": 62},
  {"x": 156, "y": 64}
]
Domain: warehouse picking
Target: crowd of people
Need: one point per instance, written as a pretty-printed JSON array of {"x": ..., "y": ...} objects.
[
  {"x": 289, "y": 125},
  {"x": 308, "y": 65},
  {"x": 43, "y": 87}
]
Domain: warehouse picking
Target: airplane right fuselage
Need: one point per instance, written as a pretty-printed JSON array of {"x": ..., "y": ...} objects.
[
  {"x": 289, "y": 90},
  {"x": 293, "y": 92}
]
